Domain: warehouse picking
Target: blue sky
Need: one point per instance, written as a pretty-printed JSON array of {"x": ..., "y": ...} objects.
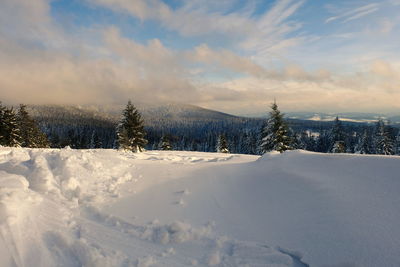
[{"x": 231, "y": 55}]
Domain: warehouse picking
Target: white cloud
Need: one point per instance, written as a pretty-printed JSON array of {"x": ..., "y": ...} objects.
[
  {"x": 363, "y": 92},
  {"x": 354, "y": 13},
  {"x": 40, "y": 63},
  {"x": 267, "y": 32}
]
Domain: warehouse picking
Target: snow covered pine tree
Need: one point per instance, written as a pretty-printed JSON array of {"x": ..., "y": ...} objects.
[
  {"x": 164, "y": 143},
  {"x": 275, "y": 134},
  {"x": 384, "y": 139},
  {"x": 31, "y": 135},
  {"x": 337, "y": 137},
  {"x": 365, "y": 144},
  {"x": 222, "y": 144},
  {"x": 9, "y": 131},
  {"x": 130, "y": 130}
]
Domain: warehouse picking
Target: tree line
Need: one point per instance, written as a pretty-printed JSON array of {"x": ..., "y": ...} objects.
[
  {"x": 276, "y": 135},
  {"x": 380, "y": 139},
  {"x": 235, "y": 135},
  {"x": 18, "y": 129}
]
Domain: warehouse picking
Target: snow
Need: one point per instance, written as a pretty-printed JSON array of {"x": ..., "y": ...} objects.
[
  {"x": 65, "y": 207},
  {"x": 317, "y": 117}
]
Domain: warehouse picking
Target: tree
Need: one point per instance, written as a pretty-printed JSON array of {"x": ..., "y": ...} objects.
[
  {"x": 338, "y": 137},
  {"x": 339, "y": 147},
  {"x": 222, "y": 144},
  {"x": 275, "y": 134},
  {"x": 130, "y": 130},
  {"x": 164, "y": 143},
  {"x": 365, "y": 145},
  {"x": 2, "y": 125},
  {"x": 306, "y": 141},
  {"x": 9, "y": 131},
  {"x": 95, "y": 140},
  {"x": 384, "y": 139},
  {"x": 398, "y": 143},
  {"x": 31, "y": 135}
]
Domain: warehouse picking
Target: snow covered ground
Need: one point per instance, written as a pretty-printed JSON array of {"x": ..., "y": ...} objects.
[{"x": 112, "y": 208}]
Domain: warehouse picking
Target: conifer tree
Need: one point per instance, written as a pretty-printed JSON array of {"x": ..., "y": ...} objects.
[
  {"x": 31, "y": 135},
  {"x": 164, "y": 143},
  {"x": 384, "y": 141},
  {"x": 398, "y": 143},
  {"x": 95, "y": 141},
  {"x": 10, "y": 133},
  {"x": 275, "y": 134},
  {"x": 306, "y": 141},
  {"x": 2, "y": 125},
  {"x": 338, "y": 137},
  {"x": 130, "y": 130},
  {"x": 365, "y": 144},
  {"x": 222, "y": 144}
]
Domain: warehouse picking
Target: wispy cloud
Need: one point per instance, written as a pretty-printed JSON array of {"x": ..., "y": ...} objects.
[
  {"x": 196, "y": 18},
  {"x": 355, "y": 13}
]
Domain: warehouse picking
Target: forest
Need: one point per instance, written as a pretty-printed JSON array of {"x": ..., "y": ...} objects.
[{"x": 197, "y": 130}]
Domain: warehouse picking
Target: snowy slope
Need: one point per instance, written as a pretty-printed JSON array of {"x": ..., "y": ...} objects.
[{"x": 111, "y": 208}]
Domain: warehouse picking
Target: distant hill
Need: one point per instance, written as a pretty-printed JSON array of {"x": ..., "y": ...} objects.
[
  {"x": 152, "y": 114},
  {"x": 73, "y": 114},
  {"x": 189, "y": 127},
  {"x": 182, "y": 112},
  {"x": 347, "y": 116},
  {"x": 357, "y": 117}
]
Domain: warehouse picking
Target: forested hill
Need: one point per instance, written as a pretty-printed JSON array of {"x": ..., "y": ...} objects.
[
  {"x": 152, "y": 114},
  {"x": 189, "y": 127},
  {"x": 182, "y": 112},
  {"x": 69, "y": 114}
]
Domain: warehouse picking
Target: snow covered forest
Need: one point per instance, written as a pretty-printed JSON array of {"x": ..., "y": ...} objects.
[{"x": 190, "y": 128}]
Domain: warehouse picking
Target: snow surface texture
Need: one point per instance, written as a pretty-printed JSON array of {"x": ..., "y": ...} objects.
[{"x": 112, "y": 208}]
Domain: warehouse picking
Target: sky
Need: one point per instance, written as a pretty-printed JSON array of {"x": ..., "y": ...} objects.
[{"x": 230, "y": 55}]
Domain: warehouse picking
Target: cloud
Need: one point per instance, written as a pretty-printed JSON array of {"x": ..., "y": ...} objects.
[
  {"x": 225, "y": 59},
  {"x": 355, "y": 13},
  {"x": 383, "y": 68},
  {"x": 189, "y": 20},
  {"x": 123, "y": 69},
  {"x": 364, "y": 91},
  {"x": 264, "y": 33},
  {"x": 42, "y": 63}
]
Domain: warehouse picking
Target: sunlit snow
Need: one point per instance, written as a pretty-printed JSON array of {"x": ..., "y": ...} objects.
[{"x": 64, "y": 207}]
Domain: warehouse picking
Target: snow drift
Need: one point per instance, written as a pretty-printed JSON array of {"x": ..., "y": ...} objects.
[{"x": 111, "y": 208}]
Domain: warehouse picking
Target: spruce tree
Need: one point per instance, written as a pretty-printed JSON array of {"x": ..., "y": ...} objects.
[
  {"x": 365, "y": 145},
  {"x": 275, "y": 134},
  {"x": 31, "y": 135},
  {"x": 398, "y": 143},
  {"x": 95, "y": 140},
  {"x": 2, "y": 125},
  {"x": 10, "y": 133},
  {"x": 337, "y": 137},
  {"x": 384, "y": 140},
  {"x": 130, "y": 130},
  {"x": 222, "y": 144},
  {"x": 164, "y": 143}
]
